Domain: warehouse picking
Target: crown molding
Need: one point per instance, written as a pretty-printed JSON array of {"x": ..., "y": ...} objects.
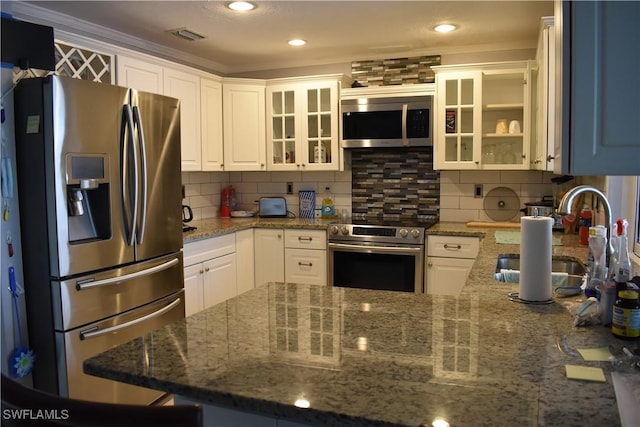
[{"x": 59, "y": 21}]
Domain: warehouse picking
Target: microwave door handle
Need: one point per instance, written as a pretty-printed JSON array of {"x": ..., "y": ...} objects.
[
  {"x": 96, "y": 332},
  {"x": 126, "y": 139},
  {"x": 405, "y": 108},
  {"x": 144, "y": 175}
]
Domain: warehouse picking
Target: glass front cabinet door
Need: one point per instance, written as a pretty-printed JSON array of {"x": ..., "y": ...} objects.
[
  {"x": 483, "y": 116},
  {"x": 302, "y": 120}
]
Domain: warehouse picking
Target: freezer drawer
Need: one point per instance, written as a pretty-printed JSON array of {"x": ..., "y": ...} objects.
[
  {"x": 89, "y": 298},
  {"x": 79, "y": 344}
]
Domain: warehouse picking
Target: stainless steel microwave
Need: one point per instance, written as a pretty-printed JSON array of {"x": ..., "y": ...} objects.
[{"x": 387, "y": 121}]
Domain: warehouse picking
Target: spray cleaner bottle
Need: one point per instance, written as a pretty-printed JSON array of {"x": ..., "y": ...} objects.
[{"x": 624, "y": 263}]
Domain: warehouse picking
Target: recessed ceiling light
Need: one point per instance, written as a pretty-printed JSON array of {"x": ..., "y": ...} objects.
[
  {"x": 297, "y": 42},
  {"x": 241, "y": 6},
  {"x": 445, "y": 28}
]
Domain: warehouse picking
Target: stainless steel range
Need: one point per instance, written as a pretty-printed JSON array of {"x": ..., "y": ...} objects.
[{"x": 378, "y": 253}]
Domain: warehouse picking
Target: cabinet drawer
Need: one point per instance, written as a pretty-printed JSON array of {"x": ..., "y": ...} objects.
[
  {"x": 205, "y": 249},
  {"x": 452, "y": 246},
  {"x": 305, "y": 239},
  {"x": 308, "y": 266}
]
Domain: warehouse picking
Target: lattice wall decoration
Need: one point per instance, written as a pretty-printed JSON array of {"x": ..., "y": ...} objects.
[{"x": 75, "y": 62}]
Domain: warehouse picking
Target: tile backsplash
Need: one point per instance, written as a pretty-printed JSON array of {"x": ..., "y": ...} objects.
[
  {"x": 202, "y": 189},
  {"x": 396, "y": 181},
  {"x": 456, "y": 201}
]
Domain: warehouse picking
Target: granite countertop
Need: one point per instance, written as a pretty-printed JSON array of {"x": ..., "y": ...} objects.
[
  {"x": 362, "y": 357},
  {"x": 212, "y": 227}
]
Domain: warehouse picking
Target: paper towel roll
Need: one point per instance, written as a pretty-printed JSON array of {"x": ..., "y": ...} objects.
[{"x": 535, "y": 258}]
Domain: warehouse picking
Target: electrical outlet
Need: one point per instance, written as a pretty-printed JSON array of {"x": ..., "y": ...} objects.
[
  {"x": 289, "y": 187},
  {"x": 477, "y": 190}
]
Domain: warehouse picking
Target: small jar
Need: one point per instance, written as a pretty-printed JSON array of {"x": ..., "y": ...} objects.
[{"x": 626, "y": 315}]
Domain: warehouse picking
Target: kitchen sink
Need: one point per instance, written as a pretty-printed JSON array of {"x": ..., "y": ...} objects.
[{"x": 575, "y": 269}]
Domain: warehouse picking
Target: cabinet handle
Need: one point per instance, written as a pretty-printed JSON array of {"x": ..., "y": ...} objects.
[
  {"x": 201, "y": 271},
  {"x": 279, "y": 236},
  {"x": 448, "y": 246},
  {"x": 477, "y": 162},
  {"x": 298, "y": 164},
  {"x": 206, "y": 269},
  {"x": 221, "y": 165},
  {"x": 550, "y": 157},
  {"x": 304, "y": 239},
  {"x": 307, "y": 264},
  {"x": 430, "y": 264},
  {"x": 304, "y": 165},
  {"x": 261, "y": 165}
]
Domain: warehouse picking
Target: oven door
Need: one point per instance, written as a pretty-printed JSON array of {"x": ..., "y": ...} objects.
[{"x": 380, "y": 267}]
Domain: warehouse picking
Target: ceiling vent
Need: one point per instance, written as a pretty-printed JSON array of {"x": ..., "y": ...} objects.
[{"x": 183, "y": 33}]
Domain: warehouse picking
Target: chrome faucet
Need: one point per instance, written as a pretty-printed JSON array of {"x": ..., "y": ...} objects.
[{"x": 564, "y": 208}]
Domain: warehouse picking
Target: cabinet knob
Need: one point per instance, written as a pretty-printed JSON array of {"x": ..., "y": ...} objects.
[
  {"x": 477, "y": 162},
  {"x": 262, "y": 165},
  {"x": 298, "y": 164},
  {"x": 206, "y": 269},
  {"x": 201, "y": 271},
  {"x": 550, "y": 157},
  {"x": 429, "y": 264},
  {"x": 221, "y": 165},
  {"x": 304, "y": 165}
]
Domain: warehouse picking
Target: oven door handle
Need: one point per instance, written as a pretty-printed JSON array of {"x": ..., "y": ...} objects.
[{"x": 371, "y": 249}]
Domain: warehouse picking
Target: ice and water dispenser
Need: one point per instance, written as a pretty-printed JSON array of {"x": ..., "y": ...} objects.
[{"x": 88, "y": 197}]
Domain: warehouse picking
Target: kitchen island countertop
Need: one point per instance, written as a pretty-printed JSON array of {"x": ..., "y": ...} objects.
[{"x": 361, "y": 357}]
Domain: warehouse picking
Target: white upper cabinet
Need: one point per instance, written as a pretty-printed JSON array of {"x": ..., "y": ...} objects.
[
  {"x": 302, "y": 124},
  {"x": 211, "y": 125},
  {"x": 140, "y": 75},
  {"x": 598, "y": 87},
  {"x": 244, "y": 124},
  {"x": 483, "y": 116},
  {"x": 186, "y": 88},
  {"x": 200, "y": 96}
]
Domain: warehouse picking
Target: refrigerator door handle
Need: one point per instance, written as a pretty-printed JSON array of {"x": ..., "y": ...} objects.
[
  {"x": 88, "y": 284},
  {"x": 126, "y": 139},
  {"x": 96, "y": 332},
  {"x": 143, "y": 164}
]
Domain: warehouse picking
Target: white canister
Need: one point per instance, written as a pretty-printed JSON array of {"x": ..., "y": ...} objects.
[{"x": 514, "y": 126}]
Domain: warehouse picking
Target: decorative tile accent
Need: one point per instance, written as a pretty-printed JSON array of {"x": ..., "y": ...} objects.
[
  {"x": 386, "y": 72},
  {"x": 395, "y": 181}
]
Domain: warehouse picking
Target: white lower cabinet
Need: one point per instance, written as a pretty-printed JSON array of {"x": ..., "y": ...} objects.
[
  {"x": 448, "y": 263},
  {"x": 210, "y": 272},
  {"x": 269, "y": 255},
  {"x": 291, "y": 255},
  {"x": 305, "y": 256},
  {"x": 245, "y": 270}
]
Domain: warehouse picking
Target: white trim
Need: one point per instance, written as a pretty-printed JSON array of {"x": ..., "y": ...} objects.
[{"x": 77, "y": 27}]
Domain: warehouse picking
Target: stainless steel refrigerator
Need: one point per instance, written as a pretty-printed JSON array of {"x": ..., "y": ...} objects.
[{"x": 99, "y": 180}]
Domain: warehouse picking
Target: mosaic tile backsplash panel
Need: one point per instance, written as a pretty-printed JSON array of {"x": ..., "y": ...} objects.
[
  {"x": 394, "y": 181},
  {"x": 386, "y": 72}
]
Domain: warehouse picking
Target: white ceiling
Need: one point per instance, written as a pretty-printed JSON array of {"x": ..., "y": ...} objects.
[{"x": 336, "y": 31}]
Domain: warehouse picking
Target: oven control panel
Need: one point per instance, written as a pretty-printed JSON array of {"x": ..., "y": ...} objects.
[{"x": 373, "y": 233}]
